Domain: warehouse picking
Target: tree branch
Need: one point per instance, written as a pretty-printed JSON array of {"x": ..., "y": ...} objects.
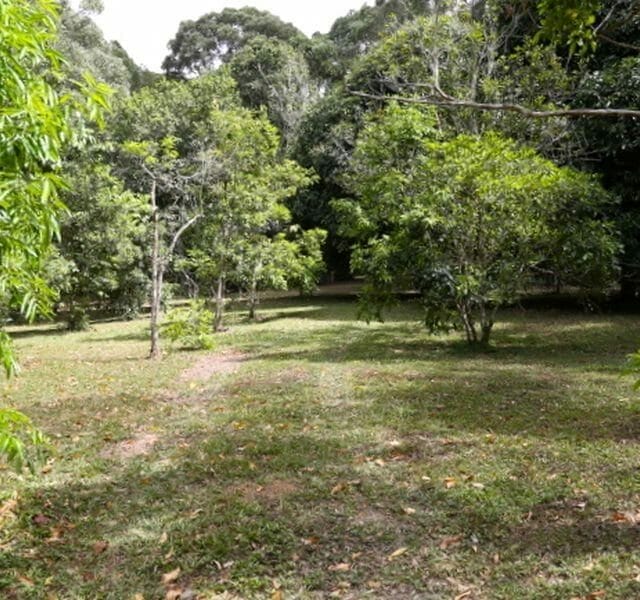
[
  {"x": 178, "y": 234},
  {"x": 449, "y": 102},
  {"x": 609, "y": 40}
]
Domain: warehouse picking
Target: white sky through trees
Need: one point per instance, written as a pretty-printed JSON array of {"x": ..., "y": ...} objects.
[{"x": 144, "y": 27}]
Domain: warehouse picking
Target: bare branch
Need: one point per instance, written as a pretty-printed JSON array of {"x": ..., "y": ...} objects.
[
  {"x": 608, "y": 17},
  {"x": 613, "y": 42},
  {"x": 178, "y": 234},
  {"x": 447, "y": 101}
]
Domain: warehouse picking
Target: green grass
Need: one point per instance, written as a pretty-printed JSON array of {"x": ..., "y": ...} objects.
[{"x": 507, "y": 474}]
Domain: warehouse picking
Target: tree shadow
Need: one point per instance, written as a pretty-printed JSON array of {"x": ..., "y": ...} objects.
[{"x": 239, "y": 509}]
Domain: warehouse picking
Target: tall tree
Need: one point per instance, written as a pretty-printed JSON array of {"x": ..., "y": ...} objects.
[
  {"x": 467, "y": 221},
  {"x": 272, "y": 73},
  {"x": 202, "y": 45},
  {"x": 248, "y": 207}
]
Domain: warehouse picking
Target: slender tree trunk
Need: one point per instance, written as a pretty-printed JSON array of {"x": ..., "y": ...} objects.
[
  {"x": 486, "y": 324},
  {"x": 219, "y": 315},
  {"x": 253, "y": 300},
  {"x": 467, "y": 321},
  {"x": 157, "y": 274}
]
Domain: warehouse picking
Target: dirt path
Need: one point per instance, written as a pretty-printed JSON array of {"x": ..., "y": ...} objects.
[{"x": 222, "y": 363}]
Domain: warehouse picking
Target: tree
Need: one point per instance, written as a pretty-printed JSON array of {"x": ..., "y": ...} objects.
[
  {"x": 557, "y": 21},
  {"x": 99, "y": 259},
  {"x": 234, "y": 240},
  {"x": 169, "y": 132},
  {"x": 290, "y": 259},
  {"x": 201, "y": 46},
  {"x": 36, "y": 128},
  {"x": 271, "y": 73},
  {"x": 332, "y": 55},
  {"x": 83, "y": 45},
  {"x": 466, "y": 221}
]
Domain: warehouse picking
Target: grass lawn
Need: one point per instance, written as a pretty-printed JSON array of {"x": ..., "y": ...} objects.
[{"x": 314, "y": 456}]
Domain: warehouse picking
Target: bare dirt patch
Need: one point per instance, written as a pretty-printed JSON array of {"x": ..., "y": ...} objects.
[
  {"x": 274, "y": 491},
  {"x": 221, "y": 363},
  {"x": 141, "y": 445}
]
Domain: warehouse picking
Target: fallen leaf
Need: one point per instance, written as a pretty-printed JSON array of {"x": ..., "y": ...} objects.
[
  {"x": 8, "y": 508},
  {"x": 40, "y": 520},
  {"x": 379, "y": 462},
  {"x": 618, "y": 517},
  {"x": 397, "y": 553},
  {"x": 164, "y": 538},
  {"x": 449, "y": 541},
  {"x": 450, "y": 482},
  {"x": 338, "y": 488},
  {"x": 56, "y": 535},
  {"x": 464, "y": 595},
  {"x": 277, "y": 595},
  {"x": 26, "y": 581},
  {"x": 340, "y": 568},
  {"x": 100, "y": 547},
  {"x": 478, "y": 486},
  {"x": 312, "y": 541},
  {"x": 138, "y": 597},
  {"x": 496, "y": 559},
  {"x": 409, "y": 511},
  {"x": 170, "y": 577}
]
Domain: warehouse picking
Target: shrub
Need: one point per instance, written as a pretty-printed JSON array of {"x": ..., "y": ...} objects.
[{"x": 191, "y": 327}]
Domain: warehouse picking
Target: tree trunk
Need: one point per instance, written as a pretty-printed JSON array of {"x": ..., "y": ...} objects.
[
  {"x": 253, "y": 299},
  {"x": 157, "y": 275},
  {"x": 486, "y": 324},
  {"x": 217, "y": 322},
  {"x": 486, "y": 333},
  {"x": 467, "y": 321}
]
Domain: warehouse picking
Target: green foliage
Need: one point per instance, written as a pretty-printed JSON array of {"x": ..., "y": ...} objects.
[
  {"x": 570, "y": 22},
  {"x": 201, "y": 45},
  {"x": 35, "y": 129},
  {"x": 234, "y": 240},
  {"x": 85, "y": 49},
  {"x": 190, "y": 327},
  {"x": 354, "y": 34},
  {"x": 274, "y": 74},
  {"x": 21, "y": 444},
  {"x": 467, "y": 221},
  {"x": 633, "y": 368},
  {"x": 103, "y": 235}
]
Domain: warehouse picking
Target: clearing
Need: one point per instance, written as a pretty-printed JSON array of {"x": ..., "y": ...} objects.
[{"x": 313, "y": 456}]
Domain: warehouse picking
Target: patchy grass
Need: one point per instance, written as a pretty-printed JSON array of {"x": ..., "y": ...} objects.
[{"x": 335, "y": 459}]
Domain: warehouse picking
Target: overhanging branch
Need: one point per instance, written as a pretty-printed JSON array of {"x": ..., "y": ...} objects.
[
  {"x": 449, "y": 102},
  {"x": 625, "y": 45}
]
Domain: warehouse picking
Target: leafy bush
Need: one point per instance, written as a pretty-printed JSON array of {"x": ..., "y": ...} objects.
[
  {"x": 633, "y": 368},
  {"x": 191, "y": 328},
  {"x": 21, "y": 444}
]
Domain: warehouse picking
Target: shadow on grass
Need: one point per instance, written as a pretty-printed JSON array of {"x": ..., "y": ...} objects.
[
  {"x": 606, "y": 344},
  {"x": 236, "y": 509}
]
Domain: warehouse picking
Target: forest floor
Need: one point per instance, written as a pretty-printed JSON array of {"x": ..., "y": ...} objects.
[{"x": 314, "y": 456}]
